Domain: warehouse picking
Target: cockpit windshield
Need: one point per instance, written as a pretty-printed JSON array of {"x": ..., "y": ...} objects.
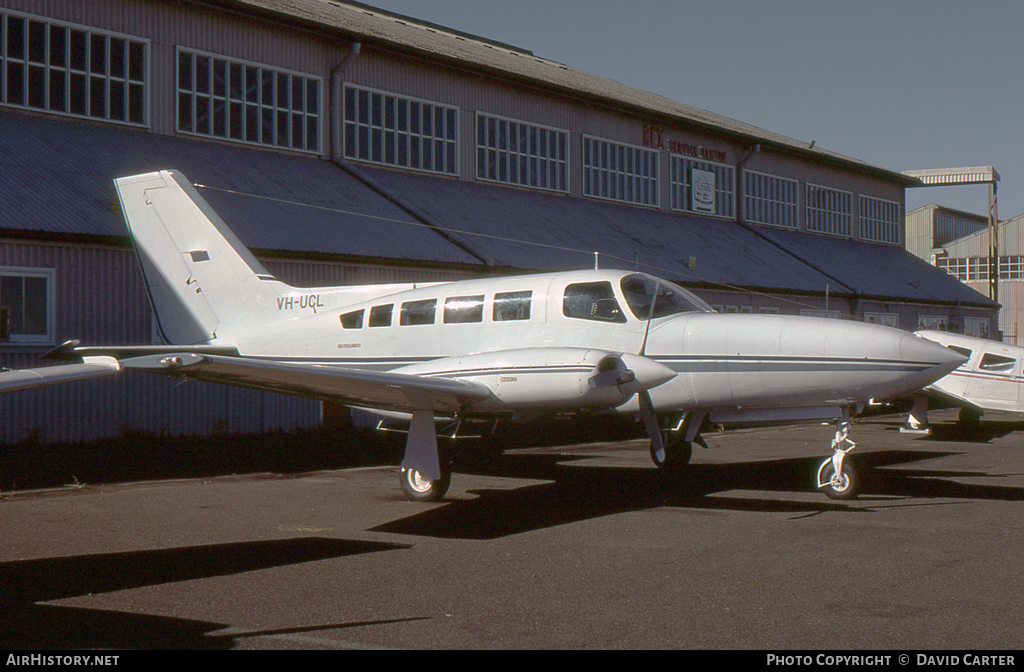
[{"x": 641, "y": 291}]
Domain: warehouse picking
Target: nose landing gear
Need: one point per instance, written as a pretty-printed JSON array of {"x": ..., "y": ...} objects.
[{"x": 836, "y": 477}]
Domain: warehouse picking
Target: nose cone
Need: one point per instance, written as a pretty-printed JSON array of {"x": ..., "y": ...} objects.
[{"x": 934, "y": 360}]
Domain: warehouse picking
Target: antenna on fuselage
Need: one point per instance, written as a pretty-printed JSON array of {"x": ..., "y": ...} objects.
[
  {"x": 597, "y": 260},
  {"x": 650, "y": 316}
]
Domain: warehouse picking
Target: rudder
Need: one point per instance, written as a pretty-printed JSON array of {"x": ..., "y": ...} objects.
[{"x": 202, "y": 282}]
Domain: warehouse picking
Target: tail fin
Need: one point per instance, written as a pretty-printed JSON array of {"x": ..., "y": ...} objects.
[{"x": 203, "y": 283}]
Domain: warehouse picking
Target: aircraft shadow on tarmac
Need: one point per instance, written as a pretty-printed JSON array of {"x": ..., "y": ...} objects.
[
  {"x": 27, "y": 624},
  {"x": 575, "y": 492}
]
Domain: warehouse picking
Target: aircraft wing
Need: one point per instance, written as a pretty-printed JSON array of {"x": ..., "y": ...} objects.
[
  {"x": 392, "y": 391},
  {"x": 90, "y": 367}
]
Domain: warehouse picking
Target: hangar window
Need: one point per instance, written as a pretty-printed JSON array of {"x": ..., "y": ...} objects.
[
  {"x": 771, "y": 200},
  {"x": 68, "y": 69},
  {"x": 829, "y": 210},
  {"x": 246, "y": 102},
  {"x": 880, "y": 220},
  {"x": 397, "y": 131},
  {"x": 1011, "y": 268},
  {"x": 418, "y": 312},
  {"x": 932, "y": 322},
  {"x": 26, "y": 305},
  {"x": 888, "y": 319},
  {"x": 592, "y": 301},
  {"x": 462, "y": 309},
  {"x": 523, "y": 154},
  {"x": 702, "y": 186},
  {"x": 619, "y": 172},
  {"x": 511, "y": 306},
  {"x": 955, "y": 267}
]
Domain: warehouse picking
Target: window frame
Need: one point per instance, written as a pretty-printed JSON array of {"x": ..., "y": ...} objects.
[
  {"x": 235, "y": 106},
  {"x": 873, "y": 220},
  {"x": 514, "y": 160},
  {"x": 680, "y": 185},
  {"x": 49, "y": 274},
  {"x": 604, "y": 180},
  {"x": 73, "y": 78},
  {"x": 828, "y": 210},
  {"x": 376, "y": 131},
  {"x": 769, "y": 203}
]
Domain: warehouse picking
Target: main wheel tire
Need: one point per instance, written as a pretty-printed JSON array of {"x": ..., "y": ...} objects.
[
  {"x": 969, "y": 417},
  {"x": 847, "y": 487},
  {"x": 421, "y": 488},
  {"x": 677, "y": 455}
]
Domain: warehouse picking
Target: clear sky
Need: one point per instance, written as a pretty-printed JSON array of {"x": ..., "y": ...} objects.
[{"x": 901, "y": 84}]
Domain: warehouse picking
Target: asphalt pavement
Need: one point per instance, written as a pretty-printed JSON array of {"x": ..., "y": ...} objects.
[{"x": 582, "y": 547}]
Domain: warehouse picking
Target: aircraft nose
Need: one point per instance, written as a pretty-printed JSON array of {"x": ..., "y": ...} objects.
[{"x": 934, "y": 360}]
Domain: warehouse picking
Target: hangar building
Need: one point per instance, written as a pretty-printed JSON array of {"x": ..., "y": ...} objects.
[
  {"x": 345, "y": 144},
  {"x": 958, "y": 243}
]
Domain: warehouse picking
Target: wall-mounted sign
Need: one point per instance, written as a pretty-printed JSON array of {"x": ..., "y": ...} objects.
[
  {"x": 655, "y": 138},
  {"x": 702, "y": 191}
]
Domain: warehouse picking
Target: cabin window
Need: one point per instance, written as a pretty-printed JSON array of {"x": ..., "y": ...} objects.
[
  {"x": 417, "y": 312},
  {"x": 668, "y": 299},
  {"x": 991, "y": 362},
  {"x": 353, "y": 320},
  {"x": 511, "y": 306},
  {"x": 380, "y": 316},
  {"x": 462, "y": 309},
  {"x": 592, "y": 301}
]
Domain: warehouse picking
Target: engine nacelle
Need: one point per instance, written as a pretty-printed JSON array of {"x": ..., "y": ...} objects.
[{"x": 550, "y": 378}]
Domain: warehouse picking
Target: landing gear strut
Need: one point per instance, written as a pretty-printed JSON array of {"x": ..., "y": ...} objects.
[{"x": 837, "y": 477}]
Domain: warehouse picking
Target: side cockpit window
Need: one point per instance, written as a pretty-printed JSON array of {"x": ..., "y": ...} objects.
[
  {"x": 651, "y": 298},
  {"x": 592, "y": 301}
]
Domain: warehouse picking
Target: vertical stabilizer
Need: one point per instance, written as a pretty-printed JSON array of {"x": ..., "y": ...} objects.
[{"x": 203, "y": 283}]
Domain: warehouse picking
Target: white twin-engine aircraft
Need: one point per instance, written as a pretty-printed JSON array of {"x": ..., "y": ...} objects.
[{"x": 585, "y": 341}]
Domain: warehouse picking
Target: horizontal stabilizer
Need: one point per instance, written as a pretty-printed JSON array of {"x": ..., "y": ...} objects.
[
  {"x": 384, "y": 390},
  {"x": 23, "y": 379}
]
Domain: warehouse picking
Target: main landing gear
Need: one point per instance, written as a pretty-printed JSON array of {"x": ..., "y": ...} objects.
[
  {"x": 836, "y": 476},
  {"x": 419, "y": 487},
  {"x": 672, "y": 448}
]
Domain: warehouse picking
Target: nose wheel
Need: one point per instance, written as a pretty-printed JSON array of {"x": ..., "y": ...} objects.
[{"x": 836, "y": 476}]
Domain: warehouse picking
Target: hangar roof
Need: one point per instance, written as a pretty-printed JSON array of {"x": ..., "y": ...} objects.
[
  {"x": 876, "y": 271},
  {"x": 369, "y": 24},
  {"x": 535, "y": 230},
  {"x": 57, "y": 178}
]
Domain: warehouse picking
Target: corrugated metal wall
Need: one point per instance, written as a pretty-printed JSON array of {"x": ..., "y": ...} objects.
[{"x": 99, "y": 298}]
